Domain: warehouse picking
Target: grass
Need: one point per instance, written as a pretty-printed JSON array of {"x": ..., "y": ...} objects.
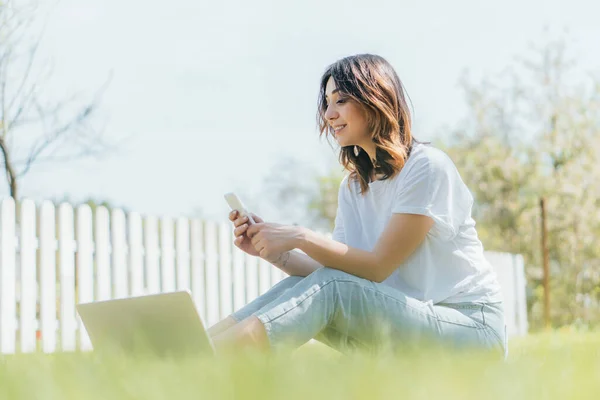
[{"x": 542, "y": 366}]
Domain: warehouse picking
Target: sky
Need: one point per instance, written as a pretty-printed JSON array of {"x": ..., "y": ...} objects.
[{"x": 206, "y": 97}]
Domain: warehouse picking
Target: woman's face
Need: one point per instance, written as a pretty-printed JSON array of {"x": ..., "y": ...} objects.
[{"x": 347, "y": 118}]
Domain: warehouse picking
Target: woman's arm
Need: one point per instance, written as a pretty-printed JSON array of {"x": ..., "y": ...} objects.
[
  {"x": 295, "y": 263},
  {"x": 403, "y": 234}
]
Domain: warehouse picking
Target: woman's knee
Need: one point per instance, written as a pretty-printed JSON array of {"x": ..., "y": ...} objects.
[{"x": 338, "y": 283}]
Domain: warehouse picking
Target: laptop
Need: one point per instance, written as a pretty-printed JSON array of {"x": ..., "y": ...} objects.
[{"x": 164, "y": 324}]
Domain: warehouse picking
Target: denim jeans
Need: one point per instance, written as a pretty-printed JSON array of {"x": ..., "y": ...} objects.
[{"x": 347, "y": 312}]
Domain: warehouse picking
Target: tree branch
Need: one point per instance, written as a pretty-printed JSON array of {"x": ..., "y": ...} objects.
[
  {"x": 58, "y": 140},
  {"x": 10, "y": 172},
  {"x": 25, "y": 75}
]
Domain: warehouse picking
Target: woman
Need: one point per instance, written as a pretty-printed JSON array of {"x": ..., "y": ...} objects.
[{"x": 405, "y": 262}]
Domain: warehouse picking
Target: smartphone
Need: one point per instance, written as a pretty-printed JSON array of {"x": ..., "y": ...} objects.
[{"x": 236, "y": 204}]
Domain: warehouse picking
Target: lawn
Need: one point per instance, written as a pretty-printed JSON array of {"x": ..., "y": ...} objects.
[{"x": 541, "y": 366}]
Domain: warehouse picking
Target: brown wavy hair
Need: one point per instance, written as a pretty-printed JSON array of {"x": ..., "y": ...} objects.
[{"x": 371, "y": 81}]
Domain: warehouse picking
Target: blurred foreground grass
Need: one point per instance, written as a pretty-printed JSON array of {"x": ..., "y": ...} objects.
[{"x": 542, "y": 366}]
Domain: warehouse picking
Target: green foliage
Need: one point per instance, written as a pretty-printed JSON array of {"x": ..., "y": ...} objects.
[
  {"x": 531, "y": 132},
  {"x": 522, "y": 142},
  {"x": 323, "y": 205}
]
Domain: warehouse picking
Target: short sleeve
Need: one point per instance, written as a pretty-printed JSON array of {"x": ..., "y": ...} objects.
[
  {"x": 433, "y": 187},
  {"x": 339, "y": 234}
]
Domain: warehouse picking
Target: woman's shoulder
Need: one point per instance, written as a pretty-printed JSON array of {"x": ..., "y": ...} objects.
[
  {"x": 427, "y": 163},
  {"x": 344, "y": 186},
  {"x": 424, "y": 160},
  {"x": 432, "y": 165},
  {"x": 427, "y": 156}
]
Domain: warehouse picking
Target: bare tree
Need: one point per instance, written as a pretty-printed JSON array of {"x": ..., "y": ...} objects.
[{"x": 34, "y": 128}]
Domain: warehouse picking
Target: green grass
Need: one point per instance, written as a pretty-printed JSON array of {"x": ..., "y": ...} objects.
[{"x": 544, "y": 366}]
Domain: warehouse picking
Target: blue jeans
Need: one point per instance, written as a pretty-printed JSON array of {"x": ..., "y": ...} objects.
[{"x": 347, "y": 312}]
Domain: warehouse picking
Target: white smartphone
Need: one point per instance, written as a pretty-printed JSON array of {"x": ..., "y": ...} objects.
[{"x": 236, "y": 204}]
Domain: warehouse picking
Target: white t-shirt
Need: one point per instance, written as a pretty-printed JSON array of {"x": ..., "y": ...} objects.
[{"x": 449, "y": 265}]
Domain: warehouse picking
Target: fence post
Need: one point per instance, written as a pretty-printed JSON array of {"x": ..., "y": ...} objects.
[{"x": 546, "y": 264}]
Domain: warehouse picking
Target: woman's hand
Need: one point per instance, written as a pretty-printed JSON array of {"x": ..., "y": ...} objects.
[
  {"x": 242, "y": 241},
  {"x": 271, "y": 240}
]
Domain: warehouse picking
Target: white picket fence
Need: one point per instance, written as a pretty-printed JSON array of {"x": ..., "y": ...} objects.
[
  {"x": 510, "y": 269},
  {"x": 50, "y": 262}
]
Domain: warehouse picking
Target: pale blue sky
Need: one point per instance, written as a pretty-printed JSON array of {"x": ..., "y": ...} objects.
[{"x": 211, "y": 94}]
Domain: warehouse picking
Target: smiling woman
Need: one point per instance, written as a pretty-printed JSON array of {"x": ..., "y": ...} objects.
[
  {"x": 363, "y": 105},
  {"x": 404, "y": 264}
]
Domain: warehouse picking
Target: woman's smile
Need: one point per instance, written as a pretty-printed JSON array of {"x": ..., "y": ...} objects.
[{"x": 338, "y": 128}]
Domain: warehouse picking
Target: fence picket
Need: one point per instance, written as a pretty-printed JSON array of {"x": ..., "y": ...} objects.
[
  {"x": 212, "y": 274},
  {"x": 282, "y": 275},
  {"x": 29, "y": 288},
  {"x": 119, "y": 256},
  {"x": 197, "y": 250},
  {"x": 135, "y": 254},
  {"x": 264, "y": 275},
  {"x": 48, "y": 277},
  {"x": 520, "y": 283},
  {"x": 68, "y": 323},
  {"x": 152, "y": 254},
  {"x": 225, "y": 278},
  {"x": 182, "y": 251},
  {"x": 276, "y": 275},
  {"x": 85, "y": 267},
  {"x": 167, "y": 265},
  {"x": 8, "y": 313},
  {"x": 251, "y": 277},
  {"x": 239, "y": 278},
  {"x": 103, "y": 275}
]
